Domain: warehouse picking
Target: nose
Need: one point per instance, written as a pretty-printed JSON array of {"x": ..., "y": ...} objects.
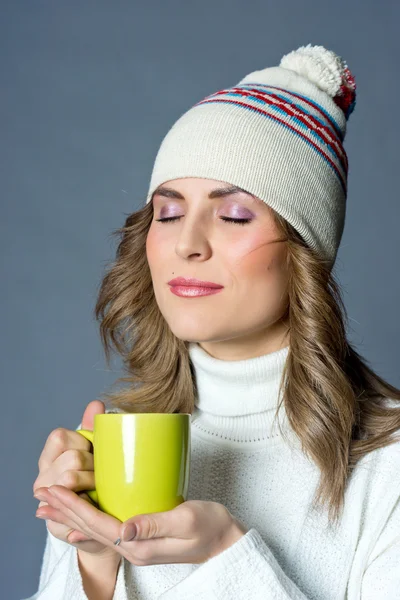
[{"x": 192, "y": 240}]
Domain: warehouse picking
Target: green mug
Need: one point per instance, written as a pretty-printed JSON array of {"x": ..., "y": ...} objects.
[{"x": 141, "y": 462}]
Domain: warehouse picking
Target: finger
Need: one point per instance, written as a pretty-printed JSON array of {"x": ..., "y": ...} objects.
[
  {"x": 50, "y": 513},
  {"x": 154, "y": 551},
  {"x": 56, "y": 517},
  {"x": 95, "y": 407},
  {"x": 171, "y": 523},
  {"x": 77, "y": 481},
  {"x": 72, "y": 469},
  {"x": 87, "y": 498},
  {"x": 75, "y": 459},
  {"x": 58, "y": 441},
  {"x": 56, "y": 523},
  {"x": 58, "y": 512},
  {"x": 92, "y": 521},
  {"x": 77, "y": 536}
]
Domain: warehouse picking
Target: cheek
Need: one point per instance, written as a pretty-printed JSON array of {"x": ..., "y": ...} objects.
[
  {"x": 257, "y": 258},
  {"x": 153, "y": 248}
]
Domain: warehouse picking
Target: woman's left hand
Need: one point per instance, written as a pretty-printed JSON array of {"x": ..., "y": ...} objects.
[{"x": 192, "y": 532}]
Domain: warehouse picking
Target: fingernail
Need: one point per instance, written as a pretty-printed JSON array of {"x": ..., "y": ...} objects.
[{"x": 129, "y": 532}]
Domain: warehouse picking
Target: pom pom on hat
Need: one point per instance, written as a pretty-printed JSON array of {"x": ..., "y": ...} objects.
[{"x": 326, "y": 70}]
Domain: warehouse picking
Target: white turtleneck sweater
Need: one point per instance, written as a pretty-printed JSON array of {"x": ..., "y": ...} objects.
[{"x": 290, "y": 552}]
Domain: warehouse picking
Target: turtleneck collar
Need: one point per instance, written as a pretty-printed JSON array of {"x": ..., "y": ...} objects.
[
  {"x": 237, "y": 400},
  {"x": 237, "y": 387}
]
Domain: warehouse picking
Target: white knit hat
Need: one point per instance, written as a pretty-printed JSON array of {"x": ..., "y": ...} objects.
[{"x": 277, "y": 134}]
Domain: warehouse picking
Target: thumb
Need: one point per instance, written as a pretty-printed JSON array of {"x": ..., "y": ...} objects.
[{"x": 95, "y": 407}]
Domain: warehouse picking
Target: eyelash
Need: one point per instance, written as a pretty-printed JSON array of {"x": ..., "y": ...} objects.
[{"x": 227, "y": 219}]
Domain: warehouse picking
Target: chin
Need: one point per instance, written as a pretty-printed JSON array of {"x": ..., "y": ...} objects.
[
  {"x": 193, "y": 332},
  {"x": 189, "y": 336}
]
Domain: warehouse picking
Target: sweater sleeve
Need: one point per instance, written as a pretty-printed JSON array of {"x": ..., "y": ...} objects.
[
  {"x": 247, "y": 570},
  {"x": 61, "y": 578},
  {"x": 381, "y": 578}
]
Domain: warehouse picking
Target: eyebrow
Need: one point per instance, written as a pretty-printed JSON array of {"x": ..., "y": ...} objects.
[{"x": 216, "y": 193}]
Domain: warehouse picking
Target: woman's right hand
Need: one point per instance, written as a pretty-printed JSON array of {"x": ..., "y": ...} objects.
[{"x": 67, "y": 460}]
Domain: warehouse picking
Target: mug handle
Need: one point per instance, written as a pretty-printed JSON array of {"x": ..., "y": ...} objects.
[{"x": 89, "y": 436}]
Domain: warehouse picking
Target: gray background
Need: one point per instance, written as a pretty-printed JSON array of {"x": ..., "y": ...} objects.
[{"x": 88, "y": 91}]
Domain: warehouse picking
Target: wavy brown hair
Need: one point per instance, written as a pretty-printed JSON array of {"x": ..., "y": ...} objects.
[{"x": 335, "y": 403}]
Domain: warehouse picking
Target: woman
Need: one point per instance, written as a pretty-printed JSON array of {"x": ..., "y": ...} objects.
[{"x": 294, "y": 489}]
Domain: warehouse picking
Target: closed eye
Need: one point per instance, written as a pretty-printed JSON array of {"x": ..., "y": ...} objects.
[{"x": 227, "y": 219}]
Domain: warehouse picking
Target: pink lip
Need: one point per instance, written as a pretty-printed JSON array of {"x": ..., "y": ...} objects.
[
  {"x": 192, "y": 282},
  {"x": 192, "y": 291}
]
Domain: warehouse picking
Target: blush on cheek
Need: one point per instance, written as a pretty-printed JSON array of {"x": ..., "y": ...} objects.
[
  {"x": 151, "y": 245},
  {"x": 268, "y": 262},
  {"x": 258, "y": 257}
]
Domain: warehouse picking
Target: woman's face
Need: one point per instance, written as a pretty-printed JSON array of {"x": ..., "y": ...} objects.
[{"x": 242, "y": 320}]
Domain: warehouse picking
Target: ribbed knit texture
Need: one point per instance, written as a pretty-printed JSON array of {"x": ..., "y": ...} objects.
[{"x": 290, "y": 551}]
